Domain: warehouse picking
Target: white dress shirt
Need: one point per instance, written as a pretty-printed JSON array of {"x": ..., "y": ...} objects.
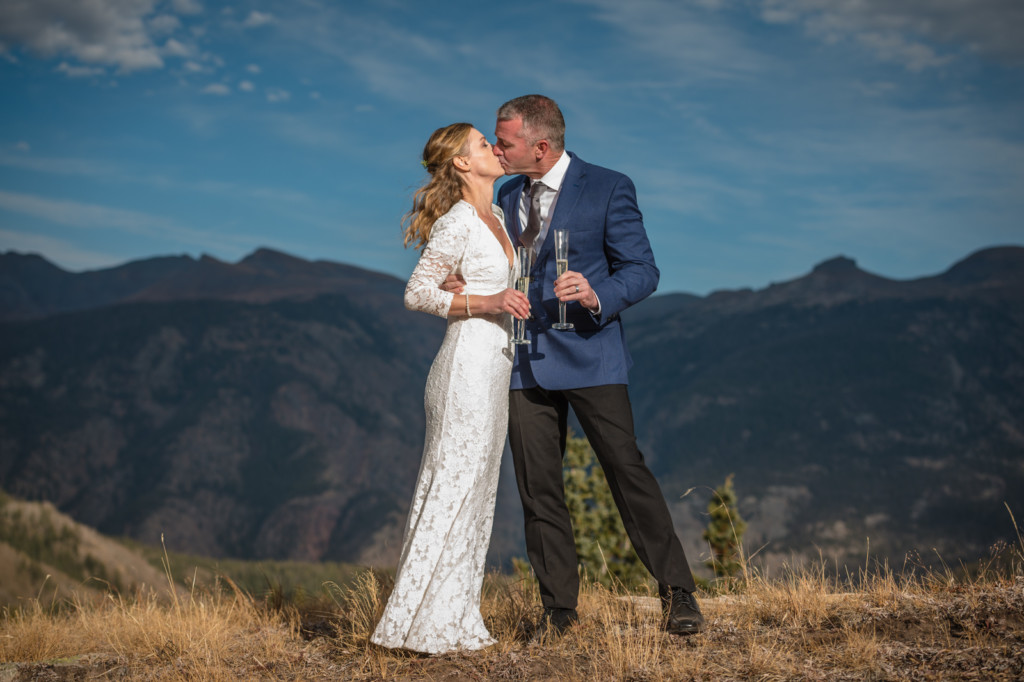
[{"x": 550, "y": 188}]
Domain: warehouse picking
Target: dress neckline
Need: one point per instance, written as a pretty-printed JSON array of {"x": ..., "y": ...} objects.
[{"x": 504, "y": 233}]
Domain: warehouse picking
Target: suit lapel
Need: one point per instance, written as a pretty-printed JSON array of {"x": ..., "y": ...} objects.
[
  {"x": 514, "y": 198},
  {"x": 572, "y": 189}
]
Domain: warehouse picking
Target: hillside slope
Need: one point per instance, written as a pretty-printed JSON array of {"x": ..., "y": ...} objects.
[{"x": 45, "y": 554}]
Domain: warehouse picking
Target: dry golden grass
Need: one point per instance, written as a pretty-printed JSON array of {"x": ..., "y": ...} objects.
[{"x": 804, "y": 626}]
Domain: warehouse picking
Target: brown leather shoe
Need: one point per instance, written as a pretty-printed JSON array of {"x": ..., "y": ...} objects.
[{"x": 682, "y": 613}]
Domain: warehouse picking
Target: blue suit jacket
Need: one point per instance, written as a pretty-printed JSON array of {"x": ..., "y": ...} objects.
[{"x": 608, "y": 245}]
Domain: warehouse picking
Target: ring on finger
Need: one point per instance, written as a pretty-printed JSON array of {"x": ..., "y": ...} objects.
[{"x": 577, "y": 288}]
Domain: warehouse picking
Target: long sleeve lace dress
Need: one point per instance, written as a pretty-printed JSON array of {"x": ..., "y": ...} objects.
[{"x": 435, "y": 606}]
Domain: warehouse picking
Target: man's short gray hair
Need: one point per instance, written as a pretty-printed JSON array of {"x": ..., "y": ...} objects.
[{"x": 542, "y": 119}]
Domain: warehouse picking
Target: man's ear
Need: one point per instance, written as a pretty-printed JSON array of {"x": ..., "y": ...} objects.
[{"x": 541, "y": 148}]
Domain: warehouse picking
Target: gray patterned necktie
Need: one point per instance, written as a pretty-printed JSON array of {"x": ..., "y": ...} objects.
[{"x": 533, "y": 218}]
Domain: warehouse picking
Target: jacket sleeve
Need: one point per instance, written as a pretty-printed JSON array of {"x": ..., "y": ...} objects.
[{"x": 633, "y": 275}]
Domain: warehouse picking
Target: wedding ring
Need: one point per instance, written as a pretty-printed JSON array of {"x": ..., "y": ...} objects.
[{"x": 577, "y": 288}]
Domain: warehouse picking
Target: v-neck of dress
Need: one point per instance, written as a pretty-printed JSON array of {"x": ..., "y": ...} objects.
[{"x": 504, "y": 233}]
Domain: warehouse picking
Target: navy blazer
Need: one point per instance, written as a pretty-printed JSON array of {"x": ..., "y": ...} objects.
[{"x": 608, "y": 245}]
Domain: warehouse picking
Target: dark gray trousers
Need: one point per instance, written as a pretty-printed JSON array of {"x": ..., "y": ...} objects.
[{"x": 537, "y": 434}]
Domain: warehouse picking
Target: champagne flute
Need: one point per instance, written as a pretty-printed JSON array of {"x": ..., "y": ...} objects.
[
  {"x": 561, "y": 265},
  {"x": 523, "y": 285}
]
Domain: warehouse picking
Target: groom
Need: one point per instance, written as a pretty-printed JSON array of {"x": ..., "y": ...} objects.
[{"x": 611, "y": 268}]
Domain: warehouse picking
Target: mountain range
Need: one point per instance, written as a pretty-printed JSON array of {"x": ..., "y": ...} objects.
[
  {"x": 272, "y": 408},
  {"x": 861, "y": 415}
]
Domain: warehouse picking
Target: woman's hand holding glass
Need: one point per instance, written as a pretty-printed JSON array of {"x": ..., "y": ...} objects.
[{"x": 508, "y": 301}]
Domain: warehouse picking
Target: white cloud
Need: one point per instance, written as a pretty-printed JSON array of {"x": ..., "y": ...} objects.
[
  {"x": 388, "y": 57},
  {"x": 278, "y": 95},
  {"x": 246, "y": 86},
  {"x": 187, "y": 6},
  {"x": 77, "y": 214},
  {"x": 217, "y": 89},
  {"x": 172, "y": 48},
  {"x": 253, "y": 68},
  {"x": 194, "y": 67},
  {"x": 877, "y": 89},
  {"x": 308, "y": 133},
  {"x": 929, "y": 178},
  {"x": 79, "y": 71},
  {"x": 691, "y": 39},
  {"x": 911, "y": 32},
  {"x": 164, "y": 24},
  {"x": 256, "y": 18},
  {"x": 94, "y": 218},
  {"x": 59, "y": 251},
  {"x": 892, "y": 47},
  {"x": 59, "y": 166},
  {"x": 121, "y": 33},
  {"x": 97, "y": 32},
  {"x": 101, "y": 169}
]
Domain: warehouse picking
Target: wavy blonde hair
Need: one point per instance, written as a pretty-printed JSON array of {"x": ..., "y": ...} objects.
[{"x": 443, "y": 190}]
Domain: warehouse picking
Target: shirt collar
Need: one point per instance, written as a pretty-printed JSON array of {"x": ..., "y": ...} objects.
[{"x": 553, "y": 178}]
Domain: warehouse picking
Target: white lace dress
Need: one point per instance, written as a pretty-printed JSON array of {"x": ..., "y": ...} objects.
[{"x": 435, "y": 606}]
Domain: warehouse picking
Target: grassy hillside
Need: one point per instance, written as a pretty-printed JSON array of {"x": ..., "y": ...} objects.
[
  {"x": 44, "y": 553},
  {"x": 800, "y": 625},
  {"x": 294, "y": 582},
  {"x": 47, "y": 559},
  {"x": 230, "y": 620}
]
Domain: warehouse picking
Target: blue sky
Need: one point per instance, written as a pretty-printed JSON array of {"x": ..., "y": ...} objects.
[{"x": 764, "y": 136}]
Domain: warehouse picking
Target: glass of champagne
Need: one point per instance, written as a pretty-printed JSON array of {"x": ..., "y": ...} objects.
[
  {"x": 561, "y": 264},
  {"x": 523, "y": 285}
]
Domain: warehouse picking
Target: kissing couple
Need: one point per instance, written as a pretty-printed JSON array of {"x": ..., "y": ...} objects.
[{"x": 478, "y": 385}]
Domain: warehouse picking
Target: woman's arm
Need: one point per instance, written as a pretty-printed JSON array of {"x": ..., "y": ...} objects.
[{"x": 440, "y": 256}]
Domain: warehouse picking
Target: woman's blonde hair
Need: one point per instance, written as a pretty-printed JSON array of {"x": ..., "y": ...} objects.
[{"x": 444, "y": 189}]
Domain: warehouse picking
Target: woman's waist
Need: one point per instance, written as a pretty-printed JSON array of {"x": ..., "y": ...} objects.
[
  {"x": 483, "y": 320},
  {"x": 497, "y": 324},
  {"x": 488, "y": 288}
]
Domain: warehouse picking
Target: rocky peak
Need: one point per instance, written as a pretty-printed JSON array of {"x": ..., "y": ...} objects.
[
  {"x": 840, "y": 265},
  {"x": 270, "y": 261},
  {"x": 998, "y": 265}
]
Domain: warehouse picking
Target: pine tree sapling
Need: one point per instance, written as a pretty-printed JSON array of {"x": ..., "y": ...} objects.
[
  {"x": 602, "y": 546},
  {"x": 725, "y": 531}
]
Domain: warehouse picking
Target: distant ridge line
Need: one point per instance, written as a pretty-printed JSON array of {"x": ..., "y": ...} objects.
[{"x": 32, "y": 287}]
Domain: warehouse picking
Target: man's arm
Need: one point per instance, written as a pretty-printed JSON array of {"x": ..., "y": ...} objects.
[{"x": 634, "y": 275}]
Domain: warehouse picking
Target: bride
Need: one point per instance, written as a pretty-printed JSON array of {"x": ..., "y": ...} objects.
[{"x": 435, "y": 605}]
